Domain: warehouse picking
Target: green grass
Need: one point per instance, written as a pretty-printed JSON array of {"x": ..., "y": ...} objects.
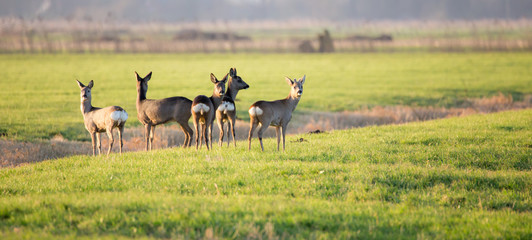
[
  {"x": 459, "y": 178},
  {"x": 40, "y": 97}
]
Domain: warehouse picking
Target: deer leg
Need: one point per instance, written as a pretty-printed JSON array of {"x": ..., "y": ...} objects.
[
  {"x": 210, "y": 133},
  {"x": 147, "y": 128},
  {"x": 220, "y": 123},
  {"x": 198, "y": 134},
  {"x": 152, "y": 136},
  {"x": 262, "y": 128},
  {"x": 190, "y": 134},
  {"x": 208, "y": 136},
  {"x": 204, "y": 136},
  {"x": 283, "y": 130},
  {"x": 197, "y": 137},
  {"x": 120, "y": 132},
  {"x": 93, "y": 141},
  {"x": 186, "y": 135},
  {"x": 99, "y": 142},
  {"x": 278, "y": 135},
  {"x": 252, "y": 125},
  {"x": 111, "y": 139},
  {"x": 231, "y": 126},
  {"x": 228, "y": 133}
]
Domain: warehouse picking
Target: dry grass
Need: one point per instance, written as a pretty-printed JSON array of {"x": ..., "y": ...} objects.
[
  {"x": 17, "y": 153},
  {"x": 403, "y": 114}
]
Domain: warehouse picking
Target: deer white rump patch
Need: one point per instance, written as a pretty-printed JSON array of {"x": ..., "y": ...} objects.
[
  {"x": 226, "y": 106},
  {"x": 119, "y": 116},
  {"x": 200, "y": 107},
  {"x": 255, "y": 111}
]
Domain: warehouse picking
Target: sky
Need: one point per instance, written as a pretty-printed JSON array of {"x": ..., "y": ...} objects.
[{"x": 207, "y": 10}]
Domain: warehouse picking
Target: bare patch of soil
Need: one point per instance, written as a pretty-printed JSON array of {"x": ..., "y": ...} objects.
[{"x": 15, "y": 153}]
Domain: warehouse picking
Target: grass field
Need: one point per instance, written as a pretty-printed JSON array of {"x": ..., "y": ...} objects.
[
  {"x": 40, "y": 98},
  {"x": 458, "y": 178}
]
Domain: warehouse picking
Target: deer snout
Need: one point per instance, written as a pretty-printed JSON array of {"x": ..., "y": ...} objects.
[
  {"x": 299, "y": 93},
  {"x": 246, "y": 87}
]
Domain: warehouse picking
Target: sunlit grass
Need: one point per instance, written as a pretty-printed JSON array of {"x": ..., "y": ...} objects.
[
  {"x": 40, "y": 97},
  {"x": 455, "y": 178}
]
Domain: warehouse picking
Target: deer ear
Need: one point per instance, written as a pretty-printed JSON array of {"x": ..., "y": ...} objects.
[
  {"x": 225, "y": 78},
  {"x": 148, "y": 77},
  {"x": 232, "y": 72},
  {"x": 289, "y": 81},
  {"x": 302, "y": 80},
  {"x": 80, "y": 84},
  {"x": 138, "y": 77},
  {"x": 213, "y": 78},
  {"x": 91, "y": 84}
]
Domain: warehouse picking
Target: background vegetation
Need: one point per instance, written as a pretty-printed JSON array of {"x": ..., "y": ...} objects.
[{"x": 80, "y": 35}]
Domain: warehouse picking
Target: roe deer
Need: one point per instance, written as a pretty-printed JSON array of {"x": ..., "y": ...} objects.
[
  {"x": 152, "y": 112},
  {"x": 202, "y": 111},
  {"x": 226, "y": 112},
  {"x": 98, "y": 120},
  {"x": 275, "y": 113}
]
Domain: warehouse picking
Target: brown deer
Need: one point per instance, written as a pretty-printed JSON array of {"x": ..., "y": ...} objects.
[
  {"x": 275, "y": 113},
  {"x": 202, "y": 111},
  {"x": 152, "y": 112},
  {"x": 226, "y": 112},
  {"x": 98, "y": 120}
]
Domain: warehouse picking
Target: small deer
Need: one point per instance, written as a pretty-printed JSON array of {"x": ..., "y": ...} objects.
[
  {"x": 202, "y": 111},
  {"x": 98, "y": 120},
  {"x": 226, "y": 112},
  {"x": 152, "y": 112},
  {"x": 275, "y": 113}
]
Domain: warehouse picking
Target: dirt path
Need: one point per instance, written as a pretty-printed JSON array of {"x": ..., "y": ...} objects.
[{"x": 14, "y": 153}]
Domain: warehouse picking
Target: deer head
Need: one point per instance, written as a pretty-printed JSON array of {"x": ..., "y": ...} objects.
[
  {"x": 296, "y": 87},
  {"x": 219, "y": 86},
  {"x": 236, "y": 81},
  {"x": 85, "y": 91},
  {"x": 142, "y": 83}
]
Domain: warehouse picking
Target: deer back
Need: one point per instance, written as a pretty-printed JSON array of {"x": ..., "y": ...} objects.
[
  {"x": 203, "y": 108},
  {"x": 159, "y": 111},
  {"x": 279, "y": 112}
]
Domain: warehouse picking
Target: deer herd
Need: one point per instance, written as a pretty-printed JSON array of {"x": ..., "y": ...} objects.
[{"x": 203, "y": 110}]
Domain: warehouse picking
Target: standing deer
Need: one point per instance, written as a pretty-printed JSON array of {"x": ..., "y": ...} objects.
[
  {"x": 152, "y": 112},
  {"x": 275, "y": 113},
  {"x": 226, "y": 112},
  {"x": 98, "y": 120},
  {"x": 202, "y": 111}
]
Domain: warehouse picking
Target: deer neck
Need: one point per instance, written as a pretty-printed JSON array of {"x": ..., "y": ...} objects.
[
  {"x": 291, "y": 102},
  {"x": 141, "y": 95},
  {"x": 216, "y": 100},
  {"x": 231, "y": 93},
  {"x": 86, "y": 106}
]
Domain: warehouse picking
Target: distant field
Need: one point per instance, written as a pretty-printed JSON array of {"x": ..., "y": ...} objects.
[
  {"x": 459, "y": 178},
  {"x": 40, "y": 98},
  {"x": 78, "y": 36}
]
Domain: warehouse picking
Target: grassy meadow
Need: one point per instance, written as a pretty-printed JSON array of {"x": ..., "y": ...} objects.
[
  {"x": 40, "y": 98},
  {"x": 457, "y": 178}
]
